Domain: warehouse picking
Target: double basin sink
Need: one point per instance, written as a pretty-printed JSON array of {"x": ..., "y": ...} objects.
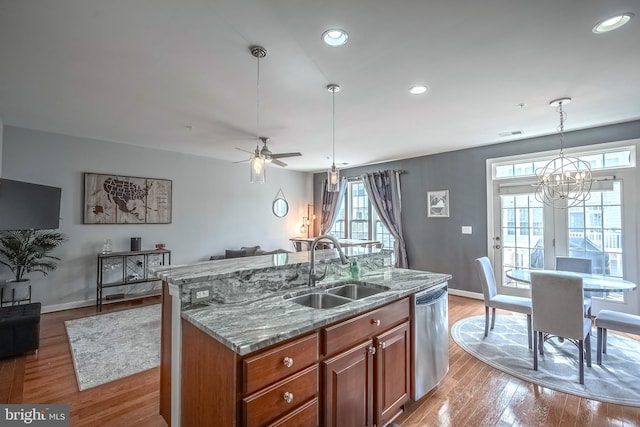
[{"x": 338, "y": 295}]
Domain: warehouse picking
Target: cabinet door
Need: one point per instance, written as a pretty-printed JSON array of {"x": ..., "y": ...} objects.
[
  {"x": 393, "y": 370},
  {"x": 348, "y": 388}
]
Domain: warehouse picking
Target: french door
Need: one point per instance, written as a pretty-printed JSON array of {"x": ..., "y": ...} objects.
[{"x": 529, "y": 234}]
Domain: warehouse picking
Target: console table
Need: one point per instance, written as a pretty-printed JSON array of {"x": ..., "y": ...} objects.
[{"x": 128, "y": 268}]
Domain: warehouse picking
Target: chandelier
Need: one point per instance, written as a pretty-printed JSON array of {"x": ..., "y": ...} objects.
[{"x": 565, "y": 181}]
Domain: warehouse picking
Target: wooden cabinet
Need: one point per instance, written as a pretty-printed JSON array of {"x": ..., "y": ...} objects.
[
  {"x": 272, "y": 365},
  {"x": 277, "y": 381},
  {"x": 348, "y": 387},
  {"x": 368, "y": 383},
  {"x": 393, "y": 373},
  {"x": 354, "y": 372}
]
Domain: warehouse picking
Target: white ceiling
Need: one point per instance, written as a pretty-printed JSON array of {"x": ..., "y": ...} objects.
[{"x": 142, "y": 72}]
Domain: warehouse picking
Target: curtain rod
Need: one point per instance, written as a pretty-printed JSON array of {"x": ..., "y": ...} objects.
[{"x": 358, "y": 177}]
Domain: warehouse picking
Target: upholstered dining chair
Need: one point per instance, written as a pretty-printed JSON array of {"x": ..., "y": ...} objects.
[
  {"x": 577, "y": 265},
  {"x": 494, "y": 300},
  {"x": 557, "y": 310}
]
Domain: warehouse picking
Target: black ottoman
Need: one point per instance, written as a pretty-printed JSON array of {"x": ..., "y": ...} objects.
[{"x": 19, "y": 329}]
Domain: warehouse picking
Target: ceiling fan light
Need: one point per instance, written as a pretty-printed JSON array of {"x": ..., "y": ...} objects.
[{"x": 257, "y": 170}]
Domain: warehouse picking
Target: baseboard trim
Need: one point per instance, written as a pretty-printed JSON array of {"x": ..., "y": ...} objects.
[
  {"x": 67, "y": 306},
  {"x": 87, "y": 303},
  {"x": 467, "y": 294}
]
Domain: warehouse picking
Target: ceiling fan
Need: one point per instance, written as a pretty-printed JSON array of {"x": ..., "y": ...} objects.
[{"x": 269, "y": 157}]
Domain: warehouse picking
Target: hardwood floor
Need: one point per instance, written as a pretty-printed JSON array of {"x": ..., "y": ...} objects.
[
  {"x": 475, "y": 394},
  {"x": 49, "y": 377},
  {"x": 472, "y": 394}
]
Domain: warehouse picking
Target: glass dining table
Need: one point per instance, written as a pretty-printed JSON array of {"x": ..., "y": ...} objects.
[{"x": 590, "y": 282}]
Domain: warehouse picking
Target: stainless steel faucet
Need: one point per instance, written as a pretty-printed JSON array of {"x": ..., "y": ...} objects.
[{"x": 313, "y": 276}]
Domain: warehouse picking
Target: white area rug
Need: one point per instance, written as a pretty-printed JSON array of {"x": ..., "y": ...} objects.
[
  {"x": 110, "y": 346},
  {"x": 506, "y": 349}
]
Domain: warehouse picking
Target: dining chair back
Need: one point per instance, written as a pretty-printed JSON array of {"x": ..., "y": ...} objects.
[
  {"x": 577, "y": 265},
  {"x": 494, "y": 300},
  {"x": 487, "y": 278},
  {"x": 557, "y": 310}
]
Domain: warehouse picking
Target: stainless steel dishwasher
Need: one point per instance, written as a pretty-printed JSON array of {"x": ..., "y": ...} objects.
[{"x": 430, "y": 339}]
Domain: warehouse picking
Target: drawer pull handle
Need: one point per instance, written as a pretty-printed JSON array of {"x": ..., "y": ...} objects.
[
  {"x": 288, "y": 362},
  {"x": 383, "y": 345},
  {"x": 375, "y": 322},
  {"x": 372, "y": 350},
  {"x": 288, "y": 397}
]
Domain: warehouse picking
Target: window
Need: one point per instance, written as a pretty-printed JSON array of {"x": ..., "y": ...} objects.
[
  {"x": 357, "y": 219},
  {"x": 529, "y": 234},
  {"x": 603, "y": 160}
]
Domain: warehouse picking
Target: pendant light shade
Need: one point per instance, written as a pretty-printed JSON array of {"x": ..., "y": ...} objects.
[
  {"x": 257, "y": 162},
  {"x": 565, "y": 181},
  {"x": 333, "y": 174}
]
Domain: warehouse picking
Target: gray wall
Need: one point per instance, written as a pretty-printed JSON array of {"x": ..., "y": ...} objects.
[
  {"x": 1, "y": 133},
  {"x": 437, "y": 244},
  {"x": 214, "y": 205}
]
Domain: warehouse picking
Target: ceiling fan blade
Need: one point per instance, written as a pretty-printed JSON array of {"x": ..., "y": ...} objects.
[
  {"x": 278, "y": 162},
  {"x": 283, "y": 155},
  {"x": 240, "y": 161},
  {"x": 241, "y": 149}
]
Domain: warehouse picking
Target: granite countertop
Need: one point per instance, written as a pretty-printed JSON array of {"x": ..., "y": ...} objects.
[
  {"x": 206, "y": 270},
  {"x": 250, "y": 326}
]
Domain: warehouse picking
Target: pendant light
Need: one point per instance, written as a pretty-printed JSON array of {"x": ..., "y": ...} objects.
[
  {"x": 257, "y": 162},
  {"x": 333, "y": 174},
  {"x": 565, "y": 181}
]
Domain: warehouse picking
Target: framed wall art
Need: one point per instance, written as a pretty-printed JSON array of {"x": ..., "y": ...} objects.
[
  {"x": 116, "y": 199},
  {"x": 438, "y": 204}
]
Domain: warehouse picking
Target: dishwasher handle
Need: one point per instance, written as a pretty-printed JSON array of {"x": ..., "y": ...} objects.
[{"x": 431, "y": 296}]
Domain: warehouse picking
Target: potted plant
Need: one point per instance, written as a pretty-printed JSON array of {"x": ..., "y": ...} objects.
[{"x": 24, "y": 252}]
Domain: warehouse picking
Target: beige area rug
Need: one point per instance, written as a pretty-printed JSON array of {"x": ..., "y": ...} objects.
[
  {"x": 506, "y": 349},
  {"x": 111, "y": 346}
]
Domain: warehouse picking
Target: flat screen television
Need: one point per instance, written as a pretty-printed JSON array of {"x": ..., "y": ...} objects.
[{"x": 25, "y": 206}]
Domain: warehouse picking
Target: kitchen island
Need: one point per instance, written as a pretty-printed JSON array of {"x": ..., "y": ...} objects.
[{"x": 251, "y": 355}]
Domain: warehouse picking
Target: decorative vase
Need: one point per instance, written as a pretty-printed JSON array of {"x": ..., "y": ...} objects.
[{"x": 14, "y": 291}]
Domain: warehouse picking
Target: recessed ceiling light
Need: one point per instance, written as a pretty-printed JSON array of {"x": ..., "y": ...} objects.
[
  {"x": 335, "y": 37},
  {"x": 417, "y": 90},
  {"x": 612, "y": 23}
]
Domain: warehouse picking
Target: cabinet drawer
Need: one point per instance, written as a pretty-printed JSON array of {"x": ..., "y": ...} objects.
[
  {"x": 273, "y": 365},
  {"x": 280, "y": 398},
  {"x": 307, "y": 415},
  {"x": 350, "y": 332}
]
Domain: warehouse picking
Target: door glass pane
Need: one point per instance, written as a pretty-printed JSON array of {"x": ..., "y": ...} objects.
[
  {"x": 596, "y": 233},
  {"x": 522, "y": 234}
]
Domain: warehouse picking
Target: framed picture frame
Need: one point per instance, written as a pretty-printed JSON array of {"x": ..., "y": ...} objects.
[
  {"x": 438, "y": 204},
  {"x": 117, "y": 199}
]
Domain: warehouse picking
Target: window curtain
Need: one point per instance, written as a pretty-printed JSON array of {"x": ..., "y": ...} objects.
[
  {"x": 331, "y": 202},
  {"x": 383, "y": 189}
]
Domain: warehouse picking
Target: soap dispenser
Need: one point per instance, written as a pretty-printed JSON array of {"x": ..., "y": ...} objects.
[{"x": 355, "y": 269}]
